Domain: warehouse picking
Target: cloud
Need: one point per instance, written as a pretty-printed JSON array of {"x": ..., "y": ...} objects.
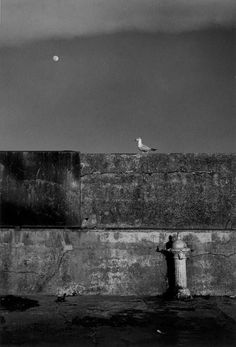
[{"x": 23, "y": 20}]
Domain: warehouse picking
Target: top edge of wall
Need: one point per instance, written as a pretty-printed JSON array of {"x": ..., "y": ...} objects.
[{"x": 119, "y": 153}]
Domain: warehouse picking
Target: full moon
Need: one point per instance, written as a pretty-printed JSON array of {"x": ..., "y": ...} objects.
[{"x": 55, "y": 58}]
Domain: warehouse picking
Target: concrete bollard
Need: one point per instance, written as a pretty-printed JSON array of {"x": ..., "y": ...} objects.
[{"x": 180, "y": 250}]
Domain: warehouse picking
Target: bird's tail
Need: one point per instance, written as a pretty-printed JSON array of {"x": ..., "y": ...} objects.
[{"x": 153, "y": 149}]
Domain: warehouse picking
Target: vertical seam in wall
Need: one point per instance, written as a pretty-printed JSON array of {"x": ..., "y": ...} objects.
[{"x": 80, "y": 193}]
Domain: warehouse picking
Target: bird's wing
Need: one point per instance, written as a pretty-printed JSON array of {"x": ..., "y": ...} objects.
[{"x": 145, "y": 148}]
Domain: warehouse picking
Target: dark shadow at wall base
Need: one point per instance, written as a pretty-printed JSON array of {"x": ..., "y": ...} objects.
[{"x": 172, "y": 290}]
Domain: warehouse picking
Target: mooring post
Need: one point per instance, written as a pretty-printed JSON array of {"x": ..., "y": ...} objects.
[{"x": 180, "y": 251}]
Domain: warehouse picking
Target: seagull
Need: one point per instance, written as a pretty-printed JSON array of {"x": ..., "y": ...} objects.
[{"x": 142, "y": 147}]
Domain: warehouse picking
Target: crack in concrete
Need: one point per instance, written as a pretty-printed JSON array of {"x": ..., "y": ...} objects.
[
  {"x": 214, "y": 254},
  {"x": 66, "y": 320},
  {"x": 44, "y": 181},
  {"x": 69, "y": 323},
  {"x": 20, "y": 272},
  {"x": 229, "y": 223},
  {"x": 147, "y": 172},
  {"x": 224, "y": 316},
  {"x": 59, "y": 262}
]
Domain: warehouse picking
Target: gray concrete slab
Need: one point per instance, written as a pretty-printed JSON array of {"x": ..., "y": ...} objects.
[{"x": 118, "y": 321}]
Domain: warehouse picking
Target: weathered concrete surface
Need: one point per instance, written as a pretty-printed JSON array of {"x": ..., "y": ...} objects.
[
  {"x": 39, "y": 188},
  {"x": 123, "y": 207},
  {"x": 121, "y": 321},
  {"x": 112, "y": 262},
  {"x": 186, "y": 191}
]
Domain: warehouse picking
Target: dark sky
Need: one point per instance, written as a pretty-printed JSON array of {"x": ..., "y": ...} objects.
[{"x": 176, "y": 90}]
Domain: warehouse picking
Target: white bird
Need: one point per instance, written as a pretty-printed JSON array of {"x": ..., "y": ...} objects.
[{"x": 142, "y": 147}]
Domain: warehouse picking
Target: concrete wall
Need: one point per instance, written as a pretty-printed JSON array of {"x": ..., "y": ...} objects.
[
  {"x": 112, "y": 262},
  {"x": 185, "y": 191},
  {"x": 39, "y": 188},
  {"x": 115, "y": 210}
]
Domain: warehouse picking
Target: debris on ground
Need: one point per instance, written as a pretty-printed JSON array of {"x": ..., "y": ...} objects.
[
  {"x": 61, "y": 298},
  {"x": 160, "y": 332}
]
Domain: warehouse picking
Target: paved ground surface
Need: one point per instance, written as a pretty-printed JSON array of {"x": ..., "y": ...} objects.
[{"x": 117, "y": 321}]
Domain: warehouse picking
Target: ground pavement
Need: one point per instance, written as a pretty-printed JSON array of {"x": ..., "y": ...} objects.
[{"x": 117, "y": 321}]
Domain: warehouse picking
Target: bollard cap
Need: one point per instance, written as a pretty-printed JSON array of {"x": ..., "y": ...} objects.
[{"x": 179, "y": 244}]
